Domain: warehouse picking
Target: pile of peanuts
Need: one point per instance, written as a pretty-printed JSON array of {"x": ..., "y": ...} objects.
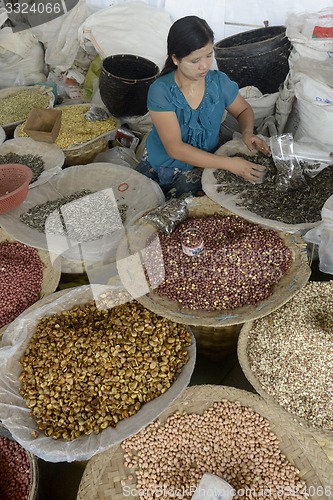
[
  {"x": 229, "y": 440},
  {"x": 87, "y": 368},
  {"x": 239, "y": 265},
  {"x": 15, "y": 473},
  {"x": 21, "y": 275}
]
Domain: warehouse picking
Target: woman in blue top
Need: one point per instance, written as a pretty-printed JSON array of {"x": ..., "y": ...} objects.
[{"x": 186, "y": 104}]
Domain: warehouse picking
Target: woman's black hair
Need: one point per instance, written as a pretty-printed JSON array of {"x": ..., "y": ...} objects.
[{"x": 186, "y": 35}]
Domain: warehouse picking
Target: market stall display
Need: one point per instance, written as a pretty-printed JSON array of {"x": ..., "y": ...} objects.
[
  {"x": 17, "y": 102},
  {"x": 45, "y": 160},
  {"x": 171, "y": 271},
  {"x": 27, "y": 275},
  {"x": 79, "y": 138},
  {"x": 287, "y": 357},
  {"x": 212, "y": 429},
  {"x": 266, "y": 204},
  {"x": 116, "y": 403},
  {"x": 82, "y": 213},
  {"x": 19, "y": 470}
]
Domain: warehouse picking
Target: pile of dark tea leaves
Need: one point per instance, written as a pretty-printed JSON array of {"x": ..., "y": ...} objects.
[{"x": 292, "y": 206}]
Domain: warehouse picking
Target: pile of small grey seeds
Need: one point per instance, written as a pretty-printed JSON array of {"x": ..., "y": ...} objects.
[
  {"x": 34, "y": 162},
  {"x": 291, "y": 353}
]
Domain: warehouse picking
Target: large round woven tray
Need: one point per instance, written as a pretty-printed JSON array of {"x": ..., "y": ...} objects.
[
  {"x": 135, "y": 240},
  {"x": 10, "y": 128},
  {"x": 33, "y": 467},
  {"x": 128, "y": 187},
  {"x": 52, "y": 156},
  {"x": 15, "y": 414},
  {"x": 82, "y": 154},
  {"x": 51, "y": 273},
  {"x": 106, "y": 476},
  {"x": 323, "y": 437},
  {"x": 230, "y": 201}
]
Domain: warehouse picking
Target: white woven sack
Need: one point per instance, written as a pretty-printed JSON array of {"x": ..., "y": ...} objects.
[
  {"x": 263, "y": 106},
  {"x": 322, "y": 235},
  {"x": 60, "y": 37},
  {"x": 21, "y": 58},
  {"x": 315, "y": 110},
  {"x": 130, "y": 28},
  {"x": 303, "y": 45}
]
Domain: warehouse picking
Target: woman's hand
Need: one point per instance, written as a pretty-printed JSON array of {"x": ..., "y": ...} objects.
[
  {"x": 253, "y": 142},
  {"x": 250, "y": 172}
]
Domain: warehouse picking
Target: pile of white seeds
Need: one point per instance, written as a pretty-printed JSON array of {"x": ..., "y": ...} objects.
[{"x": 291, "y": 354}]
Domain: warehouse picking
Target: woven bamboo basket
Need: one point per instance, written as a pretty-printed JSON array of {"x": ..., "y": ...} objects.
[
  {"x": 106, "y": 476},
  {"x": 85, "y": 153},
  {"x": 212, "y": 336},
  {"x": 33, "y": 467},
  {"x": 323, "y": 437},
  {"x": 256, "y": 57},
  {"x": 51, "y": 273},
  {"x": 124, "y": 82},
  {"x": 82, "y": 154},
  {"x": 10, "y": 128}
]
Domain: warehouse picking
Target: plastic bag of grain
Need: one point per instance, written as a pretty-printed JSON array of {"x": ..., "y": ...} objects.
[{"x": 17, "y": 417}]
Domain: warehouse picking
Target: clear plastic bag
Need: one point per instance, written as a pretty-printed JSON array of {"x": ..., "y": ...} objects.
[
  {"x": 289, "y": 175},
  {"x": 312, "y": 157},
  {"x": 96, "y": 113},
  {"x": 170, "y": 215},
  {"x": 322, "y": 235},
  {"x": 15, "y": 415}
]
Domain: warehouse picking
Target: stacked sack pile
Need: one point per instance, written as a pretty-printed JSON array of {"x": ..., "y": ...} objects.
[{"x": 305, "y": 103}]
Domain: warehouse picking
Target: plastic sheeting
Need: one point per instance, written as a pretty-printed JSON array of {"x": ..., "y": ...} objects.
[
  {"x": 123, "y": 186},
  {"x": 322, "y": 236},
  {"x": 230, "y": 201},
  {"x": 15, "y": 415},
  {"x": 2, "y": 135},
  {"x": 52, "y": 156}
]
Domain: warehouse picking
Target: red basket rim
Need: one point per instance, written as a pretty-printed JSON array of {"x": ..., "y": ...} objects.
[{"x": 22, "y": 168}]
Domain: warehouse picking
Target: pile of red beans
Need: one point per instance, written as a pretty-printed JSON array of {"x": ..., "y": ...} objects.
[
  {"x": 239, "y": 265},
  {"x": 21, "y": 275},
  {"x": 15, "y": 471}
]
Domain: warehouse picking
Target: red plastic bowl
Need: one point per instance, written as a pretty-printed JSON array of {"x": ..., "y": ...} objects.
[{"x": 14, "y": 185}]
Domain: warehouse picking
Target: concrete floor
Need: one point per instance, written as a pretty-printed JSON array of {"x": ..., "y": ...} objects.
[{"x": 60, "y": 481}]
